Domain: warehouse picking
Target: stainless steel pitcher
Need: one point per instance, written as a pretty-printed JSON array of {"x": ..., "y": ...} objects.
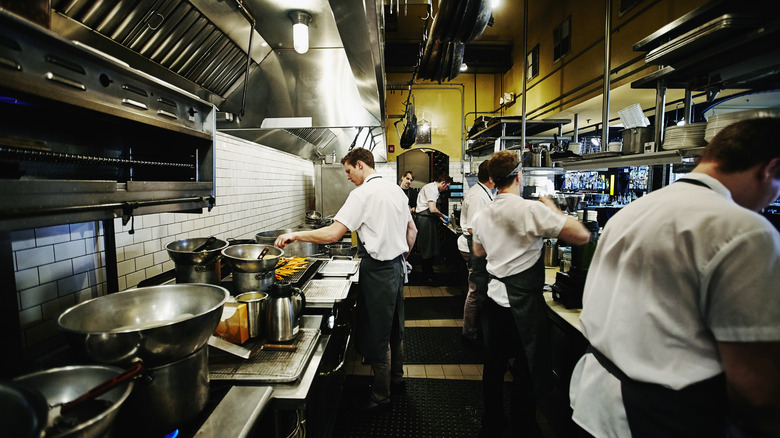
[{"x": 283, "y": 311}]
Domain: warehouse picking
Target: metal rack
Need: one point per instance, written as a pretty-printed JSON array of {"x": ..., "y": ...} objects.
[{"x": 509, "y": 129}]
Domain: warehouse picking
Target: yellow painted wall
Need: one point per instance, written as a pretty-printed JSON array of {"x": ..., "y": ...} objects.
[{"x": 444, "y": 105}]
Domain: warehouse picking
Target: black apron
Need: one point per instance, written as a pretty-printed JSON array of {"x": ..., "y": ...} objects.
[
  {"x": 380, "y": 305},
  {"x": 529, "y": 311},
  {"x": 653, "y": 410},
  {"x": 427, "y": 234}
]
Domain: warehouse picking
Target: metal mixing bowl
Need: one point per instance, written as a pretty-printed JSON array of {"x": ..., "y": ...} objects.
[
  {"x": 156, "y": 324},
  {"x": 244, "y": 258},
  {"x": 181, "y": 253},
  {"x": 61, "y": 385},
  {"x": 295, "y": 249}
]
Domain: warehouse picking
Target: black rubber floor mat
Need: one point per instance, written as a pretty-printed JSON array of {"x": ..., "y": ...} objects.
[
  {"x": 439, "y": 345},
  {"x": 434, "y": 307},
  {"x": 427, "y": 408}
]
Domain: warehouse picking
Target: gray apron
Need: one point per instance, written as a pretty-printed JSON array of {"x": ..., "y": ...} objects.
[
  {"x": 427, "y": 235},
  {"x": 529, "y": 311},
  {"x": 380, "y": 305}
]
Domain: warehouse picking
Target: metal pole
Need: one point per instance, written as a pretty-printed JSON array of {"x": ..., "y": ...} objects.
[
  {"x": 575, "y": 136},
  {"x": 525, "y": 67},
  {"x": 660, "y": 110},
  {"x": 607, "y": 62},
  {"x": 688, "y": 108}
]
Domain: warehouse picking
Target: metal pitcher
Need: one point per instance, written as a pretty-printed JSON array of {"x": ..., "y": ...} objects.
[{"x": 283, "y": 311}]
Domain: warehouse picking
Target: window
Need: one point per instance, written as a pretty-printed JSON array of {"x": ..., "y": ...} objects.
[
  {"x": 562, "y": 40},
  {"x": 533, "y": 63}
]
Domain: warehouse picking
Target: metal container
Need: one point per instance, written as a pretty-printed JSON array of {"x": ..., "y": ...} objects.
[
  {"x": 253, "y": 281},
  {"x": 283, "y": 312},
  {"x": 157, "y": 324},
  {"x": 196, "y": 267},
  {"x": 295, "y": 249},
  {"x": 339, "y": 249},
  {"x": 61, "y": 385},
  {"x": 167, "y": 396},
  {"x": 550, "y": 253},
  {"x": 244, "y": 258},
  {"x": 255, "y": 309},
  {"x": 634, "y": 139}
]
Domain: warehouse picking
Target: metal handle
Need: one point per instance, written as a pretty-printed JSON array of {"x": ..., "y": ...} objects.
[{"x": 343, "y": 359}]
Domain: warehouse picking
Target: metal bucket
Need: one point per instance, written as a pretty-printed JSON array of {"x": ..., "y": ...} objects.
[
  {"x": 295, "y": 249},
  {"x": 634, "y": 139},
  {"x": 167, "y": 396}
]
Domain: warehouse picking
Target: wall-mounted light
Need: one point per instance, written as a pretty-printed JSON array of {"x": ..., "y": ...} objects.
[
  {"x": 464, "y": 67},
  {"x": 300, "y": 21}
]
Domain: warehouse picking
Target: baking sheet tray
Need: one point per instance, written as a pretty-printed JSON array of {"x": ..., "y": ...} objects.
[
  {"x": 326, "y": 290},
  {"x": 339, "y": 268},
  {"x": 268, "y": 366}
]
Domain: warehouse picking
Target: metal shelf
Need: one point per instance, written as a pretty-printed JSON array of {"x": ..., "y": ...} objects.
[
  {"x": 511, "y": 129},
  {"x": 649, "y": 159}
]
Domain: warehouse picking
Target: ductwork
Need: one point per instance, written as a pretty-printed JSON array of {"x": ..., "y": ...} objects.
[{"x": 312, "y": 105}]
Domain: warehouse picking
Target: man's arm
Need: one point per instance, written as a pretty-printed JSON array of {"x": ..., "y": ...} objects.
[
  {"x": 753, "y": 382},
  {"x": 573, "y": 231},
  {"x": 329, "y": 234},
  {"x": 411, "y": 236},
  {"x": 478, "y": 249},
  {"x": 432, "y": 208}
]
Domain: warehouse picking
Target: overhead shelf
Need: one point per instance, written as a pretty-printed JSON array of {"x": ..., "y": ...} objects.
[
  {"x": 511, "y": 129},
  {"x": 647, "y": 159}
]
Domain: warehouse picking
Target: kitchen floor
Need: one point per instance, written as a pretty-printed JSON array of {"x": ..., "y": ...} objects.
[{"x": 459, "y": 383}]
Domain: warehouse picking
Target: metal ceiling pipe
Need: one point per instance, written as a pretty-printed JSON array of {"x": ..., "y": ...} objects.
[{"x": 525, "y": 68}]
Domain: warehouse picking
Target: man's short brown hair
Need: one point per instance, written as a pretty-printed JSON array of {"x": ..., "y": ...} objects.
[
  {"x": 501, "y": 165},
  {"x": 359, "y": 154},
  {"x": 744, "y": 144},
  {"x": 444, "y": 178},
  {"x": 483, "y": 174}
]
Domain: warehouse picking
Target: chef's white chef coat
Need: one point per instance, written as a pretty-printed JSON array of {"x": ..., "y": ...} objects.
[
  {"x": 476, "y": 197},
  {"x": 378, "y": 210},
  {"x": 673, "y": 273},
  {"x": 512, "y": 231},
  {"x": 429, "y": 192}
]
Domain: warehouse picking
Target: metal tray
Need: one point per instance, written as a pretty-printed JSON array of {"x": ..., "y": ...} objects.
[
  {"x": 326, "y": 290},
  {"x": 269, "y": 366},
  {"x": 339, "y": 268}
]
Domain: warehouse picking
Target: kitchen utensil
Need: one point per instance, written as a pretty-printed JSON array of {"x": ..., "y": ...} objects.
[
  {"x": 339, "y": 249},
  {"x": 205, "y": 245},
  {"x": 263, "y": 253},
  {"x": 63, "y": 409},
  {"x": 295, "y": 249},
  {"x": 634, "y": 139},
  {"x": 229, "y": 347},
  {"x": 244, "y": 258},
  {"x": 313, "y": 217},
  {"x": 59, "y": 385},
  {"x": 195, "y": 265},
  {"x": 255, "y": 306},
  {"x": 283, "y": 312},
  {"x": 156, "y": 324}
]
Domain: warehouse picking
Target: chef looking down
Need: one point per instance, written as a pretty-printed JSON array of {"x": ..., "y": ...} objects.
[
  {"x": 681, "y": 303},
  {"x": 377, "y": 210},
  {"x": 427, "y": 216},
  {"x": 510, "y": 231}
]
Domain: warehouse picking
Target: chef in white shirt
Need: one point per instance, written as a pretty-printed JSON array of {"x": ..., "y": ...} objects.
[
  {"x": 378, "y": 211},
  {"x": 479, "y": 195},
  {"x": 427, "y": 218},
  {"x": 510, "y": 231}
]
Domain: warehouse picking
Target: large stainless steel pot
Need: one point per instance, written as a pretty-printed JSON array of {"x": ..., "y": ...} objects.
[
  {"x": 295, "y": 249},
  {"x": 196, "y": 267},
  {"x": 61, "y": 385},
  {"x": 157, "y": 324},
  {"x": 168, "y": 396}
]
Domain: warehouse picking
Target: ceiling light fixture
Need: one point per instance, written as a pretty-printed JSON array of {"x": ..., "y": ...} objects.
[
  {"x": 464, "y": 67},
  {"x": 300, "y": 21}
]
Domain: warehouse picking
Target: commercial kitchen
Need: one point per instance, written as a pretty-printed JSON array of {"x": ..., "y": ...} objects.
[{"x": 151, "y": 149}]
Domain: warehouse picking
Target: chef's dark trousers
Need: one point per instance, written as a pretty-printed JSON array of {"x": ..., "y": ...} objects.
[
  {"x": 502, "y": 342},
  {"x": 477, "y": 293}
]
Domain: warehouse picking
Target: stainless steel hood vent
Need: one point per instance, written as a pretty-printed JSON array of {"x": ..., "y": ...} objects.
[
  {"x": 201, "y": 46},
  {"x": 172, "y": 33}
]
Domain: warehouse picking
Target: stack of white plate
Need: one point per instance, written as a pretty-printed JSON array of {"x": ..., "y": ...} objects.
[
  {"x": 685, "y": 136},
  {"x": 719, "y": 121}
]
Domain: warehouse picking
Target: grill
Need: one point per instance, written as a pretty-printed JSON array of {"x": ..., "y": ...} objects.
[
  {"x": 326, "y": 291},
  {"x": 84, "y": 136}
]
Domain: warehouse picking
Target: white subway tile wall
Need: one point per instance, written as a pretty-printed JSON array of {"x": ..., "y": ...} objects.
[{"x": 257, "y": 188}]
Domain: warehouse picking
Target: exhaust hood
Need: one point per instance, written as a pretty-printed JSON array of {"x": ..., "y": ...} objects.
[{"x": 201, "y": 46}]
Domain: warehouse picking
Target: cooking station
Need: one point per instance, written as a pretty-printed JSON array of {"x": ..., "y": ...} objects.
[{"x": 283, "y": 391}]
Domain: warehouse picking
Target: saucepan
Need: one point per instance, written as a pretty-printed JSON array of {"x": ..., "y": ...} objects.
[{"x": 339, "y": 249}]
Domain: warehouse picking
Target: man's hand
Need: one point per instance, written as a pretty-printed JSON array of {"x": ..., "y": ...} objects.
[{"x": 284, "y": 240}]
